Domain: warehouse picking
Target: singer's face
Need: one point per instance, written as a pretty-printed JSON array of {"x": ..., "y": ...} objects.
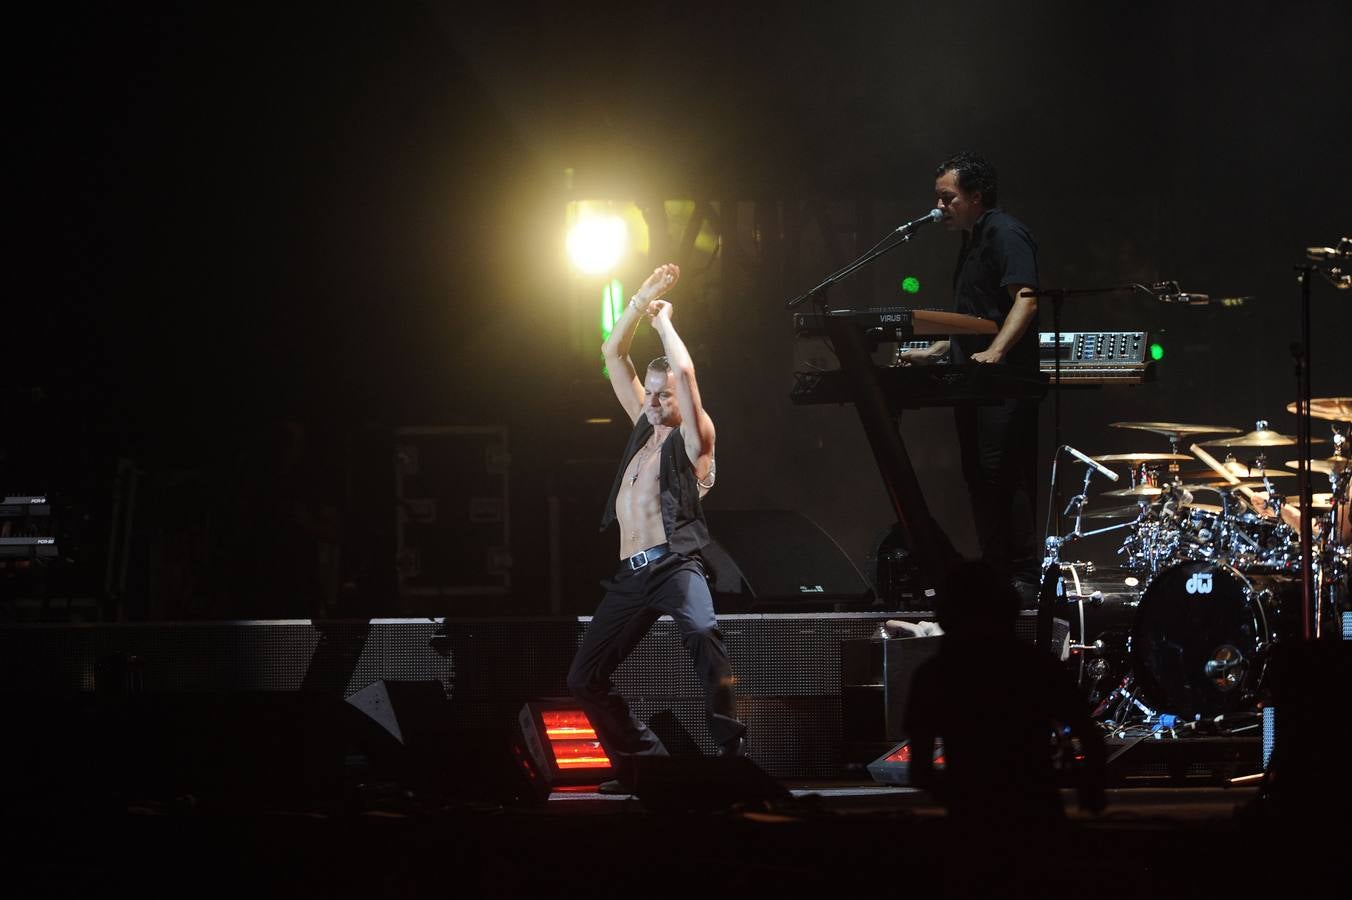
[
  {"x": 659, "y": 399},
  {"x": 960, "y": 208}
]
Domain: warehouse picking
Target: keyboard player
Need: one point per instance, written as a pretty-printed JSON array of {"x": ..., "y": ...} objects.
[{"x": 995, "y": 275}]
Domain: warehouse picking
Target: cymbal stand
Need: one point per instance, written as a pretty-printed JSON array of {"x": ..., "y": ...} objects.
[{"x": 1052, "y": 544}]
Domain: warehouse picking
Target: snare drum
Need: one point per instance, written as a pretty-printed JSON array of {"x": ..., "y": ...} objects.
[{"x": 1202, "y": 634}]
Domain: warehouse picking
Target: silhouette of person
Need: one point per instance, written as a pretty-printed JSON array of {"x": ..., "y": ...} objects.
[{"x": 1000, "y": 705}]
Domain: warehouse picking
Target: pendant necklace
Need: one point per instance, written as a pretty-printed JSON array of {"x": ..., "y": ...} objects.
[{"x": 646, "y": 451}]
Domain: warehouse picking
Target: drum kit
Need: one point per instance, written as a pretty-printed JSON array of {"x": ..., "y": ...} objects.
[{"x": 1208, "y": 580}]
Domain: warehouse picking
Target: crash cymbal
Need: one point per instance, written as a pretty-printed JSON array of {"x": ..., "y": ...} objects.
[
  {"x": 1141, "y": 490},
  {"x": 1335, "y": 409},
  {"x": 1116, "y": 512},
  {"x": 1175, "y": 429},
  {"x": 1141, "y": 457},
  {"x": 1263, "y": 437},
  {"x": 1329, "y": 465}
]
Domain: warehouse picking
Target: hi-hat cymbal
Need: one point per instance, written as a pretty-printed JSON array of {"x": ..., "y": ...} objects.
[
  {"x": 1116, "y": 512},
  {"x": 1205, "y": 507},
  {"x": 1335, "y": 409},
  {"x": 1329, "y": 465},
  {"x": 1141, "y": 457},
  {"x": 1263, "y": 437},
  {"x": 1175, "y": 429},
  {"x": 1141, "y": 490}
]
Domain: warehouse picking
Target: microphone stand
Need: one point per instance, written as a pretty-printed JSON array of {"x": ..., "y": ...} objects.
[
  {"x": 1309, "y": 614},
  {"x": 879, "y": 249},
  {"x": 1311, "y": 611},
  {"x": 921, "y": 534}
]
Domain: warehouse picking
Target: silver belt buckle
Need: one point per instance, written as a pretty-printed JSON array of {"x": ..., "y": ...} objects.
[{"x": 633, "y": 566}]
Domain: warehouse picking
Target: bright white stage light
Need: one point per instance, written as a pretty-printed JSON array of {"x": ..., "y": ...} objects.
[{"x": 596, "y": 243}]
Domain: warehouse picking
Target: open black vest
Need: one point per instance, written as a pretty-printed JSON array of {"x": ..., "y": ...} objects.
[{"x": 682, "y": 515}]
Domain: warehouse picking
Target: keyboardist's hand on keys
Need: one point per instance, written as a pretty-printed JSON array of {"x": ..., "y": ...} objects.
[
  {"x": 987, "y": 356},
  {"x": 920, "y": 356}
]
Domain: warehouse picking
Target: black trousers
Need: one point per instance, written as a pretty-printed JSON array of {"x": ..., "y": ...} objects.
[
  {"x": 674, "y": 585},
  {"x": 999, "y": 461}
]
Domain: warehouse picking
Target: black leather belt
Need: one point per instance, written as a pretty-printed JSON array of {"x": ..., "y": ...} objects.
[{"x": 643, "y": 557}]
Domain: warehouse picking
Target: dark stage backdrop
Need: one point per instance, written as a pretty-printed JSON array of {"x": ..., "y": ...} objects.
[{"x": 257, "y": 244}]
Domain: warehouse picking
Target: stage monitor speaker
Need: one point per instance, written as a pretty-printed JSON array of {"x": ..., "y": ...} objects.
[
  {"x": 409, "y": 740},
  {"x": 407, "y": 710},
  {"x": 894, "y": 766},
  {"x": 703, "y": 783},
  {"x": 768, "y": 560}
]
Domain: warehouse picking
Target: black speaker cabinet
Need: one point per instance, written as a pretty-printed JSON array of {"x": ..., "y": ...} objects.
[
  {"x": 768, "y": 560},
  {"x": 702, "y": 783},
  {"x": 875, "y": 683}
]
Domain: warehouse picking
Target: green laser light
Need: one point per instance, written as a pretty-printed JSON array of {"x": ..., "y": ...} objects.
[
  {"x": 910, "y": 284},
  {"x": 1156, "y": 351}
]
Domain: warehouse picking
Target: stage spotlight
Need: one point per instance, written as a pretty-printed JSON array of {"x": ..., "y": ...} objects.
[
  {"x": 560, "y": 745},
  {"x": 597, "y": 242}
]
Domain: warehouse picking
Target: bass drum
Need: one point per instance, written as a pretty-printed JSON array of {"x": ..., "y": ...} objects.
[{"x": 1201, "y": 638}]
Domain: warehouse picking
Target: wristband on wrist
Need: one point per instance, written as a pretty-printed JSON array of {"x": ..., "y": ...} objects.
[{"x": 633, "y": 303}]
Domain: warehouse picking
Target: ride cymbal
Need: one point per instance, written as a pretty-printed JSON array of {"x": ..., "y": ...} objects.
[
  {"x": 1335, "y": 409},
  {"x": 1175, "y": 429}
]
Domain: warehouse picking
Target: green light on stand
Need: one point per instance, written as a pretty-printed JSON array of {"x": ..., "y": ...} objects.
[
  {"x": 612, "y": 307},
  {"x": 1156, "y": 351},
  {"x": 910, "y": 284}
]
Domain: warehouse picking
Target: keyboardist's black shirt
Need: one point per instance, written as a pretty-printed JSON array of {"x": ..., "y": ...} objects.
[{"x": 999, "y": 252}]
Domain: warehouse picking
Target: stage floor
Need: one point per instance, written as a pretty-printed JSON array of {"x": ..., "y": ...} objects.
[{"x": 837, "y": 838}]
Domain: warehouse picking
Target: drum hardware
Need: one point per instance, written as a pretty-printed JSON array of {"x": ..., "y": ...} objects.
[{"x": 1209, "y": 672}]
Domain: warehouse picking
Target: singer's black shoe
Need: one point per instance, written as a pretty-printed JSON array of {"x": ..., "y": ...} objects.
[
  {"x": 615, "y": 787},
  {"x": 734, "y": 748}
]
